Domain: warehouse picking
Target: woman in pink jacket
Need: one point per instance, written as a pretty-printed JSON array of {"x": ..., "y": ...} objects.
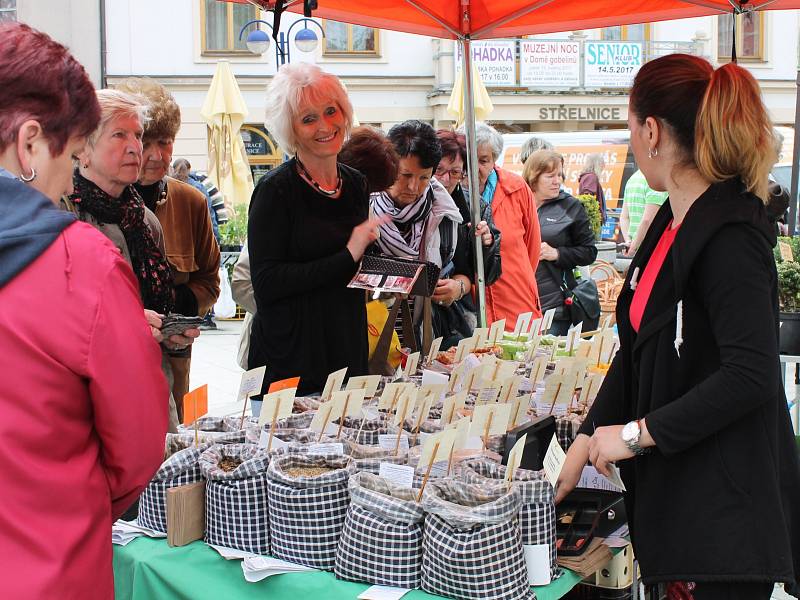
[{"x": 82, "y": 416}]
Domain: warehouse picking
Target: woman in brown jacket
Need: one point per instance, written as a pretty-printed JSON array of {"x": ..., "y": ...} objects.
[{"x": 192, "y": 251}]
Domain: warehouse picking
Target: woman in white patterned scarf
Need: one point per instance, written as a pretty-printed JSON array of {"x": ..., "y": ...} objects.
[{"x": 424, "y": 225}]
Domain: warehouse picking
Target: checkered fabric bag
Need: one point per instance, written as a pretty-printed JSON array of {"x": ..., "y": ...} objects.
[
  {"x": 306, "y": 403},
  {"x": 381, "y": 541},
  {"x": 181, "y": 468},
  {"x": 537, "y": 516},
  {"x": 363, "y": 431},
  {"x": 175, "y": 442},
  {"x": 219, "y": 429},
  {"x": 565, "y": 432},
  {"x": 472, "y": 549},
  {"x": 369, "y": 458},
  {"x": 236, "y": 501},
  {"x": 306, "y": 514}
]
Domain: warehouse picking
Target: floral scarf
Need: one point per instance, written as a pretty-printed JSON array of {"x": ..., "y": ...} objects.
[{"x": 149, "y": 264}]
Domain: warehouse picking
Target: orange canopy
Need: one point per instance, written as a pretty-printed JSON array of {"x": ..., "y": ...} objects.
[{"x": 486, "y": 19}]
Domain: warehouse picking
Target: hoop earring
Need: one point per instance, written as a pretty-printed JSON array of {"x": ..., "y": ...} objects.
[
  {"x": 28, "y": 179},
  {"x": 652, "y": 153}
]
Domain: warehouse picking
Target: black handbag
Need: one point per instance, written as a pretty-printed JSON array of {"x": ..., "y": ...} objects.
[{"x": 581, "y": 302}]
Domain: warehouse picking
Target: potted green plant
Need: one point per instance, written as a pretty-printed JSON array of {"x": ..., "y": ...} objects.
[
  {"x": 232, "y": 235},
  {"x": 789, "y": 296},
  {"x": 606, "y": 251}
]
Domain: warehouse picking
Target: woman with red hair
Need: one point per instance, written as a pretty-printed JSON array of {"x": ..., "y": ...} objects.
[{"x": 83, "y": 420}]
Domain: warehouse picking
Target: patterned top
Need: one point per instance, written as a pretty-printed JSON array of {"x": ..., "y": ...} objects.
[{"x": 637, "y": 195}]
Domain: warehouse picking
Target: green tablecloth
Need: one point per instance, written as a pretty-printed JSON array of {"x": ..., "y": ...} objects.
[{"x": 147, "y": 569}]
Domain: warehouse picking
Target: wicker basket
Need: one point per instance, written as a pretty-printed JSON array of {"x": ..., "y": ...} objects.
[{"x": 609, "y": 285}]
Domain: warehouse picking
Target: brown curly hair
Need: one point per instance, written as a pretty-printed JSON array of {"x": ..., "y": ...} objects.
[
  {"x": 164, "y": 114},
  {"x": 369, "y": 151}
]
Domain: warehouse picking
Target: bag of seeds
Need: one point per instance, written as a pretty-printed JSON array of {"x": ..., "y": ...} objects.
[
  {"x": 175, "y": 442},
  {"x": 221, "y": 430},
  {"x": 181, "y": 468},
  {"x": 308, "y": 500},
  {"x": 537, "y": 516},
  {"x": 472, "y": 549},
  {"x": 381, "y": 541},
  {"x": 236, "y": 496},
  {"x": 369, "y": 458}
]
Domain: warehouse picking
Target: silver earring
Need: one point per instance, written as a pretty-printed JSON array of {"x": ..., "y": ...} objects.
[
  {"x": 28, "y": 179},
  {"x": 652, "y": 153}
]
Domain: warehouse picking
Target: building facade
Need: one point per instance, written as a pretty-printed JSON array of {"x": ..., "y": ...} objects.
[{"x": 533, "y": 83}]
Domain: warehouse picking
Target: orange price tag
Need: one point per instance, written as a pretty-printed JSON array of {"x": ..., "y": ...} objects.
[
  {"x": 195, "y": 404},
  {"x": 283, "y": 384}
]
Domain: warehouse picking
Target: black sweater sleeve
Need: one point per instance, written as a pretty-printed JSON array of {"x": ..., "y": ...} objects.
[
  {"x": 582, "y": 250},
  {"x": 273, "y": 211}
]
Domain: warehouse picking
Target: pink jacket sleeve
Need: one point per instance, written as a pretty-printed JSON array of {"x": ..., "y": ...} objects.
[{"x": 128, "y": 389}]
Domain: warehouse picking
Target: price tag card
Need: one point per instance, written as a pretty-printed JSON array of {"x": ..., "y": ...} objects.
[
  {"x": 383, "y": 592},
  {"x": 195, "y": 404},
  {"x": 391, "y": 394},
  {"x": 584, "y": 349},
  {"x": 251, "y": 382},
  {"x": 474, "y": 377},
  {"x": 523, "y": 324},
  {"x": 557, "y": 394},
  {"x": 263, "y": 440},
  {"x": 368, "y": 383},
  {"x": 569, "y": 365},
  {"x": 405, "y": 406},
  {"x": 322, "y": 418},
  {"x": 538, "y": 369},
  {"x": 432, "y": 377},
  {"x": 536, "y": 327},
  {"x": 453, "y": 404},
  {"x": 481, "y": 334},
  {"x": 547, "y": 320},
  {"x": 277, "y": 405},
  {"x": 433, "y": 352},
  {"x": 496, "y": 331},
  {"x": 464, "y": 347},
  {"x": 330, "y": 448},
  {"x": 573, "y": 337},
  {"x": 456, "y": 376},
  {"x": 606, "y": 323},
  {"x": 601, "y": 347},
  {"x": 554, "y": 461},
  {"x": 515, "y": 457},
  {"x": 348, "y": 403},
  {"x": 412, "y": 362},
  {"x": 435, "y": 391},
  {"x": 333, "y": 383},
  {"x": 519, "y": 410},
  {"x": 430, "y": 453},
  {"x": 496, "y": 424},
  {"x": 502, "y": 370},
  {"x": 283, "y": 384},
  {"x": 786, "y": 251},
  {"x": 487, "y": 394},
  {"x": 400, "y": 475},
  {"x": 535, "y": 340},
  {"x": 509, "y": 388},
  {"x": 424, "y": 402},
  {"x": 462, "y": 432},
  {"x": 593, "y": 480},
  {"x": 388, "y": 441}
]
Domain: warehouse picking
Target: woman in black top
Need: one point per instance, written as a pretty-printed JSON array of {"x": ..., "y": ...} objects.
[
  {"x": 308, "y": 229},
  {"x": 567, "y": 236}
]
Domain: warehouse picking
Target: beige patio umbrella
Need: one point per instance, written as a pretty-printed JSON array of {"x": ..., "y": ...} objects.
[
  {"x": 225, "y": 111},
  {"x": 483, "y": 104}
]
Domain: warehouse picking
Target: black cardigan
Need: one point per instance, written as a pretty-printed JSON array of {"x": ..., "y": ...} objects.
[{"x": 718, "y": 498}]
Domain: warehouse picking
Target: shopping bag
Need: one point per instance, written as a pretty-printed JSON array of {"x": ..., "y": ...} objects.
[{"x": 225, "y": 307}]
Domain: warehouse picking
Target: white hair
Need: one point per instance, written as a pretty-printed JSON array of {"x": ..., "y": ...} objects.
[
  {"x": 531, "y": 145},
  {"x": 293, "y": 85},
  {"x": 594, "y": 163},
  {"x": 486, "y": 134},
  {"x": 115, "y": 104}
]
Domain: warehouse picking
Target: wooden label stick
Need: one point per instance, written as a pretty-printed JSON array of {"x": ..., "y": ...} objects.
[
  {"x": 400, "y": 429},
  {"x": 450, "y": 459},
  {"x": 325, "y": 424},
  {"x": 555, "y": 397},
  {"x": 428, "y": 471},
  {"x": 344, "y": 414},
  {"x": 196, "y": 419},
  {"x": 486, "y": 430},
  {"x": 272, "y": 426},
  {"x": 600, "y": 351}
]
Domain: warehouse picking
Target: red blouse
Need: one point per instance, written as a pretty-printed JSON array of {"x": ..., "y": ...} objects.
[{"x": 645, "y": 284}]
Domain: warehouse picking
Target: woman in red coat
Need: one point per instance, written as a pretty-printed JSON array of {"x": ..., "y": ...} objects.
[{"x": 82, "y": 416}]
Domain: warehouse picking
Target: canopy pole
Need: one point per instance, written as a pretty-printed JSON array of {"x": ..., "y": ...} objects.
[
  {"x": 472, "y": 171},
  {"x": 795, "y": 162}
]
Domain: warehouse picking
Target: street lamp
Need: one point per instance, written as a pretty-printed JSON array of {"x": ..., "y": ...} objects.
[{"x": 305, "y": 39}]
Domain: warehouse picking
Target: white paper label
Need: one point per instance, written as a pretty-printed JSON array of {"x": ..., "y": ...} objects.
[
  {"x": 400, "y": 475},
  {"x": 383, "y": 592},
  {"x": 263, "y": 441},
  {"x": 331, "y": 448},
  {"x": 537, "y": 562},
  {"x": 593, "y": 480},
  {"x": 389, "y": 441},
  {"x": 251, "y": 382},
  {"x": 554, "y": 461}
]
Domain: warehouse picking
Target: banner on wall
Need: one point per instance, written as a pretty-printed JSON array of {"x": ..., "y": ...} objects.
[
  {"x": 549, "y": 63},
  {"x": 611, "y": 64},
  {"x": 495, "y": 61}
]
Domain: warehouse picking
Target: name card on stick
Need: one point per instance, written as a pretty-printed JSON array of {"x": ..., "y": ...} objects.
[
  {"x": 554, "y": 461},
  {"x": 464, "y": 347},
  {"x": 547, "y": 320},
  {"x": 515, "y": 457},
  {"x": 368, "y": 383},
  {"x": 412, "y": 362},
  {"x": 481, "y": 334},
  {"x": 489, "y": 419},
  {"x": 333, "y": 383},
  {"x": 283, "y": 384},
  {"x": 496, "y": 331},
  {"x": 251, "y": 382},
  {"x": 487, "y": 394},
  {"x": 348, "y": 403},
  {"x": 509, "y": 388},
  {"x": 462, "y": 432},
  {"x": 391, "y": 394},
  {"x": 538, "y": 369},
  {"x": 277, "y": 405},
  {"x": 453, "y": 404},
  {"x": 523, "y": 324},
  {"x": 519, "y": 410},
  {"x": 433, "y": 351},
  {"x": 195, "y": 404}
]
